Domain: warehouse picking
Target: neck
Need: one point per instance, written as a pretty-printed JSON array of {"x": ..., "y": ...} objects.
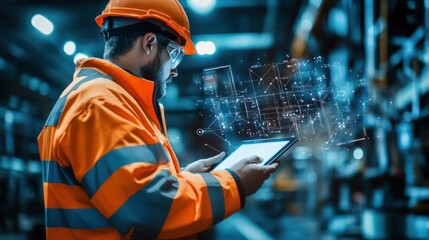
[{"x": 126, "y": 64}]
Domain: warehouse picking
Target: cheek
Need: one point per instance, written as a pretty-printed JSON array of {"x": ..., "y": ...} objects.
[
  {"x": 166, "y": 71},
  {"x": 166, "y": 66}
]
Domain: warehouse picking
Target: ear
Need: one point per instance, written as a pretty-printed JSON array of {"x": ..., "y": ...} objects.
[{"x": 149, "y": 43}]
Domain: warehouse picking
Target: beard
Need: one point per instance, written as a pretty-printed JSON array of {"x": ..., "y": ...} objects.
[{"x": 153, "y": 72}]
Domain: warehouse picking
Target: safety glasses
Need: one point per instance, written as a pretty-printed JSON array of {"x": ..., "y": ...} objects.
[{"x": 175, "y": 51}]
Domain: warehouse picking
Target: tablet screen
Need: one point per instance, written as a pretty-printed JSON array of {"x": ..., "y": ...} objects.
[{"x": 265, "y": 150}]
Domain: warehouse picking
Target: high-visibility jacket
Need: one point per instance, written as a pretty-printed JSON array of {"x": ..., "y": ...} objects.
[{"x": 109, "y": 171}]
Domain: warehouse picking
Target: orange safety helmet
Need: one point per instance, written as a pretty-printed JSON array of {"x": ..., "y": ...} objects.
[{"x": 169, "y": 12}]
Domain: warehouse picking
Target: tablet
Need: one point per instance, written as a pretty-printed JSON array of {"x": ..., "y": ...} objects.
[{"x": 268, "y": 149}]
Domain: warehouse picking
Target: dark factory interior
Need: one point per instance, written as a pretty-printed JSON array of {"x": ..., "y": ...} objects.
[{"x": 348, "y": 78}]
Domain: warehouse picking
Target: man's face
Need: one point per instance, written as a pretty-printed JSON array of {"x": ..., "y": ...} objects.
[{"x": 159, "y": 71}]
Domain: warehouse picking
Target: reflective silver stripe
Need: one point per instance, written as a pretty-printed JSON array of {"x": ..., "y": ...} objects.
[
  {"x": 52, "y": 172},
  {"x": 85, "y": 218},
  {"x": 216, "y": 197},
  {"x": 57, "y": 110},
  {"x": 115, "y": 159},
  {"x": 147, "y": 210}
]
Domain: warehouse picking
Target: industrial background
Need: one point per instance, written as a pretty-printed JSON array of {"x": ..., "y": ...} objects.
[{"x": 373, "y": 186}]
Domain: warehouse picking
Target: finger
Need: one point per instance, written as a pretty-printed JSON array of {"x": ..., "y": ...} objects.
[
  {"x": 264, "y": 171},
  {"x": 275, "y": 164},
  {"x": 253, "y": 159},
  {"x": 271, "y": 168},
  {"x": 213, "y": 160},
  {"x": 194, "y": 167},
  {"x": 204, "y": 167}
]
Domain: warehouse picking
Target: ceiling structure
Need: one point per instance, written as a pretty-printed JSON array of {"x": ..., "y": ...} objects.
[{"x": 243, "y": 32}]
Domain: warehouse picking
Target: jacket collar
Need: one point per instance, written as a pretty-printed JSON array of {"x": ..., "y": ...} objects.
[{"x": 142, "y": 90}]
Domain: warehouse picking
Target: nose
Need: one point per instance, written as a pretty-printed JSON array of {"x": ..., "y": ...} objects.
[{"x": 174, "y": 72}]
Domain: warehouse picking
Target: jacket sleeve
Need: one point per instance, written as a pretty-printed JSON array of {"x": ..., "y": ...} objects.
[{"x": 126, "y": 173}]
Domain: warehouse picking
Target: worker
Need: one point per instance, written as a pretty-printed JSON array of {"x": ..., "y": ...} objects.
[{"x": 109, "y": 171}]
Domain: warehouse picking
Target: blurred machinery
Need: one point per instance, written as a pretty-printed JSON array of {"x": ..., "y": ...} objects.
[{"x": 386, "y": 197}]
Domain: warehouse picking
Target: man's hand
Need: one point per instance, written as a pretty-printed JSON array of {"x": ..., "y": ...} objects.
[
  {"x": 204, "y": 165},
  {"x": 252, "y": 175}
]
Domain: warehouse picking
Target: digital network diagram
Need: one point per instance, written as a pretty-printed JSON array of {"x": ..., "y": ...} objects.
[{"x": 320, "y": 103}]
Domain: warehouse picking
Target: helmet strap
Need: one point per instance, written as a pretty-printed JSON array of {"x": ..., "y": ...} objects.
[{"x": 109, "y": 30}]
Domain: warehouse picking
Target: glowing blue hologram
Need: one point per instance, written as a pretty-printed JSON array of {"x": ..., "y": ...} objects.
[{"x": 290, "y": 98}]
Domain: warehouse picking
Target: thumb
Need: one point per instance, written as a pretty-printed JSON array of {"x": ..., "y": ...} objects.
[{"x": 213, "y": 160}]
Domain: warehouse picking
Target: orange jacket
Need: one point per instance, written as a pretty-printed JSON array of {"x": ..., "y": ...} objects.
[{"x": 109, "y": 172}]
